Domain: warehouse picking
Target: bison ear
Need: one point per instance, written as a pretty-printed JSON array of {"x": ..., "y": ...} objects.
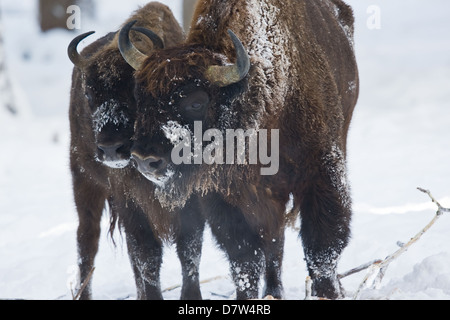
[
  {"x": 223, "y": 76},
  {"x": 72, "y": 51}
]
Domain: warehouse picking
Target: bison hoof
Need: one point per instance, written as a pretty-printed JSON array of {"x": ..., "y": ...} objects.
[{"x": 327, "y": 288}]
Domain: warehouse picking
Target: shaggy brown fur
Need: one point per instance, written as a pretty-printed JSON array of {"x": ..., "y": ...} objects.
[
  {"x": 102, "y": 114},
  {"x": 304, "y": 82}
]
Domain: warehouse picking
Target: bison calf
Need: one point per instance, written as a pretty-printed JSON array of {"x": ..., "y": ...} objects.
[{"x": 102, "y": 116}]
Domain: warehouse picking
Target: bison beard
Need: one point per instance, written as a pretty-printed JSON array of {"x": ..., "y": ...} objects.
[{"x": 302, "y": 65}]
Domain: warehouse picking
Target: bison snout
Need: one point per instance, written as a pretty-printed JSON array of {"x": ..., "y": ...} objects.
[
  {"x": 153, "y": 165},
  {"x": 109, "y": 152},
  {"x": 113, "y": 155}
]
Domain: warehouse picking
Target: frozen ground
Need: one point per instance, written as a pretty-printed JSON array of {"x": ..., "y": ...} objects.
[{"x": 399, "y": 140}]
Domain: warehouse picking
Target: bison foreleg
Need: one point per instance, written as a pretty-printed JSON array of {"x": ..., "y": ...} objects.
[
  {"x": 274, "y": 259},
  {"x": 145, "y": 253},
  {"x": 189, "y": 240},
  {"x": 240, "y": 242},
  {"x": 325, "y": 219},
  {"x": 90, "y": 201}
]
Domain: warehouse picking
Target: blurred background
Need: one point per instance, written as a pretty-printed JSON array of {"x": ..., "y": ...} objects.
[{"x": 399, "y": 140}]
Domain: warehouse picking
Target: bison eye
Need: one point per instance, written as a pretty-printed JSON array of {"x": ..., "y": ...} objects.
[
  {"x": 89, "y": 95},
  {"x": 193, "y": 106},
  {"x": 196, "y": 106},
  {"x": 195, "y": 109}
]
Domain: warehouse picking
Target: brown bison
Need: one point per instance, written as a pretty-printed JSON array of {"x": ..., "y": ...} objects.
[
  {"x": 102, "y": 116},
  {"x": 254, "y": 76}
]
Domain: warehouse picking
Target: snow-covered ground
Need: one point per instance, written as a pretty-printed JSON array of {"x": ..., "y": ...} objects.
[{"x": 399, "y": 140}]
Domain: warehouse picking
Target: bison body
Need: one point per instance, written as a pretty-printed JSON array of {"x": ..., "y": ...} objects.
[
  {"x": 286, "y": 67},
  {"x": 102, "y": 115}
]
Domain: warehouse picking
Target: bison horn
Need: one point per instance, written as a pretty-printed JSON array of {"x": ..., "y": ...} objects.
[
  {"x": 226, "y": 75},
  {"x": 72, "y": 51},
  {"x": 129, "y": 52},
  {"x": 157, "y": 41}
]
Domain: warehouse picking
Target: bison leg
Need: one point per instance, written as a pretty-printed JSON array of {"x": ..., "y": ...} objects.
[
  {"x": 189, "y": 240},
  {"x": 325, "y": 219},
  {"x": 90, "y": 201},
  {"x": 145, "y": 254},
  {"x": 144, "y": 250},
  {"x": 274, "y": 259},
  {"x": 240, "y": 242}
]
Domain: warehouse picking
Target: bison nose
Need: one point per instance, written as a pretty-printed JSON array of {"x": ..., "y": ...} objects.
[
  {"x": 109, "y": 152},
  {"x": 149, "y": 165}
]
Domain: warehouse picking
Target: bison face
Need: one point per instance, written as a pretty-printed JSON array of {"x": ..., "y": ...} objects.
[
  {"x": 112, "y": 124},
  {"x": 108, "y": 101},
  {"x": 163, "y": 124},
  {"x": 112, "y": 110},
  {"x": 181, "y": 93}
]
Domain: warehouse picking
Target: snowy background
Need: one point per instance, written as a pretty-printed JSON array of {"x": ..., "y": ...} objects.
[{"x": 399, "y": 140}]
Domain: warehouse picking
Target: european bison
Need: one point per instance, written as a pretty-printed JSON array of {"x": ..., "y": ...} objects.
[
  {"x": 267, "y": 75},
  {"x": 102, "y": 116}
]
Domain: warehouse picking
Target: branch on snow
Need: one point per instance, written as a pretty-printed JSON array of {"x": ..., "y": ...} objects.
[
  {"x": 377, "y": 269},
  {"x": 83, "y": 286}
]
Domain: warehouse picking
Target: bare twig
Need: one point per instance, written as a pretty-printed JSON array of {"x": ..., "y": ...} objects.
[
  {"x": 378, "y": 269},
  {"x": 308, "y": 288},
  {"x": 172, "y": 288},
  {"x": 83, "y": 286},
  {"x": 357, "y": 269},
  {"x": 441, "y": 209},
  {"x": 201, "y": 282}
]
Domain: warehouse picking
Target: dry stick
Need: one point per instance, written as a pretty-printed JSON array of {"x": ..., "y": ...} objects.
[
  {"x": 441, "y": 208},
  {"x": 308, "y": 288},
  {"x": 358, "y": 269},
  {"x": 201, "y": 282},
  {"x": 378, "y": 269},
  {"x": 85, "y": 283}
]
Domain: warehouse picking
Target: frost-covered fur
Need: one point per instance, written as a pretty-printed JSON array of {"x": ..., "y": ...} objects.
[
  {"x": 102, "y": 114},
  {"x": 303, "y": 81},
  {"x": 110, "y": 112}
]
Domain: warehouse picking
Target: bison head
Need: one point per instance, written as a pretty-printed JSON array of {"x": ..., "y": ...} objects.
[
  {"x": 107, "y": 81},
  {"x": 180, "y": 91}
]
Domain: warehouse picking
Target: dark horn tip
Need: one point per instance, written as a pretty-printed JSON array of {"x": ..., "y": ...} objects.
[
  {"x": 243, "y": 60},
  {"x": 129, "y": 25},
  {"x": 156, "y": 40},
  {"x": 72, "y": 51},
  {"x": 124, "y": 41},
  {"x": 129, "y": 52},
  {"x": 126, "y": 29}
]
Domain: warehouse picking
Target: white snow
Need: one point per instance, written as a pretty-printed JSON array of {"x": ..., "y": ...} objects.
[
  {"x": 118, "y": 164},
  {"x": 266, "y": 48},
  {"x": 107, "y": 113},
  {"x": 161, "y": 181},
  {"x": 399, "y": 140},
  {"x": 175, "y": 132}
]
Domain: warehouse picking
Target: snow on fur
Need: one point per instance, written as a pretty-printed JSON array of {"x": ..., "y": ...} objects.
[{"x": 398, "y": 141}]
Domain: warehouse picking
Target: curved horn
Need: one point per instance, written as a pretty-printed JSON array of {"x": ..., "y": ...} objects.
[
  {"x": 157, "y": 41},
  {"x": 226, "y": 75},
  {"x": 72, "y": 51},
  {"x": 129, "y": 52}
]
